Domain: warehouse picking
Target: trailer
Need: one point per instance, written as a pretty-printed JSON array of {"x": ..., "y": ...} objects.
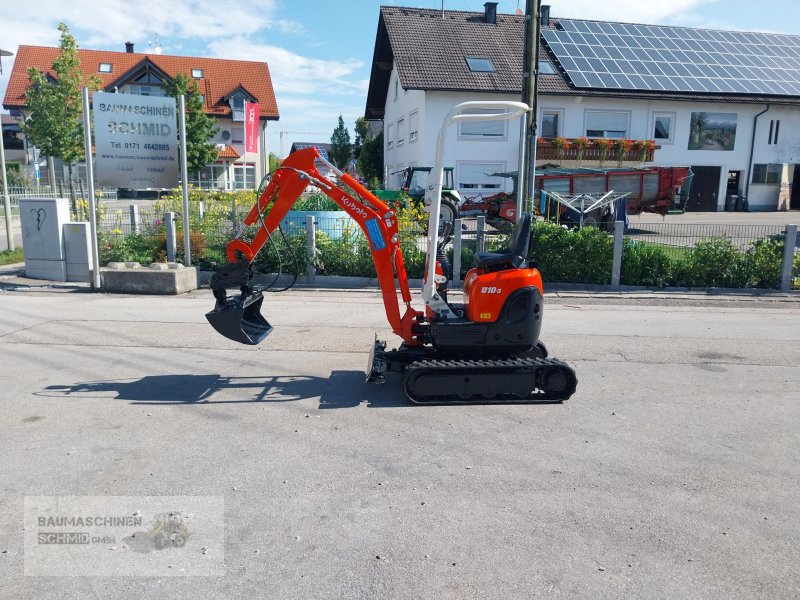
[{"x": 661, "y": 190}]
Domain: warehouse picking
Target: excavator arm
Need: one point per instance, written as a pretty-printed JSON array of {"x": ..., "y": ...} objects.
[{"x": 239, "y": 317}]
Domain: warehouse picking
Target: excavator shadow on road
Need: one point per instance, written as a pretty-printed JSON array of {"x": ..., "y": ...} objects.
[{"x": 343, "y": 389}]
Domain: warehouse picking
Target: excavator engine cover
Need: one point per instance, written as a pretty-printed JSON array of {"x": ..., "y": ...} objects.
[{"x": 239, "y": 318}]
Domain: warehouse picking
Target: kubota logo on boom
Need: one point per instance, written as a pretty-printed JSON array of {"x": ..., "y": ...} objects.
[
  {"x": 491, "y": 290},
  {"x": 354, "y": 207}
]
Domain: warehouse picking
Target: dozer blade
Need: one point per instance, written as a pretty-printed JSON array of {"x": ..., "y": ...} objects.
[{"x": 239, "y": 319}]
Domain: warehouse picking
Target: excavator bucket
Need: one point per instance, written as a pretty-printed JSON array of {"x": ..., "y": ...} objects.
[{"x": 239, "y": 319}]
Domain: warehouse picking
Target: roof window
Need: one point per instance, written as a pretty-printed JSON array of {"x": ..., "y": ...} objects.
[
  {"x": 545, "y": 68},
  {"x": 479, "y": 64},
  {"x": 104, "y": 68},
  {"x": 197, "y": 73}
]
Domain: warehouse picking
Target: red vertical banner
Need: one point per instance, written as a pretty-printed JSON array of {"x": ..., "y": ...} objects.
[{"x": 252, "y": 112}]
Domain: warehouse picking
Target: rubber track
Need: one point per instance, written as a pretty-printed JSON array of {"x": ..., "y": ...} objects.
[{"x": 502, "y": 367}]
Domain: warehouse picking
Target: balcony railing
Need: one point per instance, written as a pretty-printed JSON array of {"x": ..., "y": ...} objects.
[{"x": 639, "y": 151}]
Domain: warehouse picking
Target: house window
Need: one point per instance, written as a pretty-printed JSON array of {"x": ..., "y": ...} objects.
[
  {"x": 244, "y": 176},
  {"x": 413, "y": 127},
  {"x": 663, "y": 127},
  {"x": 401, "y": 131},
  {"x": 480, "y": 64},
  {"x": 146, "y": 90},
  {"x": 774, "y": 129},
  {"x": 214, "y": 177},
  {"x": 105, "y": 68},
  {"x": 607, "y": 124},
  {"x": 237, "y": 106},
  {"x": 390, "y": 136},
  {"x": 197, "y": 73},
  {"x": 481, "y": 130},
  {"x": 767, "y": 173},
  {"x": 475, "y": 177},
  {"x": 551, "y": 123},
  {"x": 237, "y": 134}
]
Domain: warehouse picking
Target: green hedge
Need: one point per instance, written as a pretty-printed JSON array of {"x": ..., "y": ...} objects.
[{"x": 585, "y": 256}]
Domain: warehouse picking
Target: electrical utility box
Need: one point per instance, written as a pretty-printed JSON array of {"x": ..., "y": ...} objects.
[
  {"x": 77, "y": 251},
  {"x": 42, "y": 221}
]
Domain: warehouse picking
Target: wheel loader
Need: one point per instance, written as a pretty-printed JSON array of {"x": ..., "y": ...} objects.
[{"x": 483, "y": 350}]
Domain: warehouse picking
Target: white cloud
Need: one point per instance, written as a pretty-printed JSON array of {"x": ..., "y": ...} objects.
[{"x": 293, "y": 73}]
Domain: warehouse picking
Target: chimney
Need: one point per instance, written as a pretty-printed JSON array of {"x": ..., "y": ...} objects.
[
  {"x": 491, "y": 12},
  {"x": 129, "y": 47},
  {"x": 544, "y": 15}
]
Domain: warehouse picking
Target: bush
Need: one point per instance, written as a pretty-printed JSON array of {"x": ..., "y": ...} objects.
[
  {"x": 645, "y": 264},
  {"x": 714, "y": 262},
  {"x": 575, "y": 256},
  {"x": 762, "y": 262},
  {"x": 114, "y": 247}
]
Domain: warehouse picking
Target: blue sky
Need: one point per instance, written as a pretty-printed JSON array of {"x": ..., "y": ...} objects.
[{"x": 319, "y": 51}]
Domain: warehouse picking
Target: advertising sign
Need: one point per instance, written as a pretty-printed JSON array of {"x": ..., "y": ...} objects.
[
  {"x": 252, "y": 112},
  {"x": 135, "y": 141}
]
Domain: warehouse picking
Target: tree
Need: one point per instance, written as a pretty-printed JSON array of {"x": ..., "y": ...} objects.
[
  {"x": 341, "y": 149},
  {"x": 55, "y": 126},
  {"x": 274, "y": 162},
  {"x": 200, "y": 127},
  {"x": 362, "y": 131},
  {"x": 370, "y": 160}
]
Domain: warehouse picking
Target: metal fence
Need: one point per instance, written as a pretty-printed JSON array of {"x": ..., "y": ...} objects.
[
  {"x": 676, "y": 239},
  {"x": 341, "y": 248},
  {"x": 15, "y": 193}
]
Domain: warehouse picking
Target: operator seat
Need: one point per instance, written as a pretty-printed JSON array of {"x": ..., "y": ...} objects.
[{"x": 512, "y": 257}]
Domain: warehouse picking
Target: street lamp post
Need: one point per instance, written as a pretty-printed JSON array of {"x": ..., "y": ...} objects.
[{"x": 6, "y": 199}]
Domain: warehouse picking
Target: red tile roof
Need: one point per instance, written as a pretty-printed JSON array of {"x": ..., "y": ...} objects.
[
  {"x": 228, "y": 152},
  {"x": 220, "y": 76}
]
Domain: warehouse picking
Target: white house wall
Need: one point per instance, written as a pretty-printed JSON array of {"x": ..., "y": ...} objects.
[{"x": 433, "y": 106}]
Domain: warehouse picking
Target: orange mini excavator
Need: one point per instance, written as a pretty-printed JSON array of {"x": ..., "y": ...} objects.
[{"x": 484, "y": 350}]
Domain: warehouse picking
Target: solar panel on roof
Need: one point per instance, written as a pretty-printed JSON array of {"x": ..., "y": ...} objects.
[{"x": 652, "y": 57}]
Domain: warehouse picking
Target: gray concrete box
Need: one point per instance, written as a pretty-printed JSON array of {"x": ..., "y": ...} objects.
[
  {"x": 78, "y": 251},
  {"x": 42, "y": 220}
]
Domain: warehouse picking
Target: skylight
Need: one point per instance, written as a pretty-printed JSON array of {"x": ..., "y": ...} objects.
[
  {"x": 479, "y": 64},
  {"x": 105, "y": 68},
  {"x": 197, "y": 73}
]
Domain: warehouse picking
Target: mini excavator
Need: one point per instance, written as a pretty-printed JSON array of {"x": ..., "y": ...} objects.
[{"x": 484, "y": 350}]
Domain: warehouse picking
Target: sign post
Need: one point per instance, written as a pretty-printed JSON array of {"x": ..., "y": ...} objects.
[
  {"x": 187, "y": 251},
  {"x": 87, "y": 138}
]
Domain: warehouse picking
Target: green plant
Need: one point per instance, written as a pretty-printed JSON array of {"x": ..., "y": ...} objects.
[
  {"x": 645, "y": 264},
  {"x": 10, "y": 257},
  {"x": 115, "y": 247},
  {"x": 316, "y": 202},
  {"x": 581, "y": 144},
  {"x": 602, "y": 144},
  {"x": 561, "y": 144},
  {"x": 714, "y": 262},
  {"x": 622, "y": 148},
  {"x": 566, "y": 255}
]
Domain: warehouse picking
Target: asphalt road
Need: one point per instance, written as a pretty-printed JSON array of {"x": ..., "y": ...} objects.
[{"x": 673, "y": 472}]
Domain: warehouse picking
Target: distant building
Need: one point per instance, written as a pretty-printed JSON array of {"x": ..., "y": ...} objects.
[
  {"x": 224, "y": 84},
  {"x": 726, "y": 103}
]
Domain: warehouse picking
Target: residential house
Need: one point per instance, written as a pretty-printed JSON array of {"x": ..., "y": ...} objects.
[
  {"x": 726, "y": 103},
  {"x": 225, "y": 86}
]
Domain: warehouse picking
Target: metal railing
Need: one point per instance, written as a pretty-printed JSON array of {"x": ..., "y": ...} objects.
[{"x": 16, "y": 192}]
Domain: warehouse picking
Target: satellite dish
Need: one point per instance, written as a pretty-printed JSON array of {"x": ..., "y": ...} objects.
[{"x": 226, "y": 135}]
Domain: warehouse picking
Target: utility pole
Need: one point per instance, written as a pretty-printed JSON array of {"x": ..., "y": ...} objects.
[{"x": 530, "y": 89}]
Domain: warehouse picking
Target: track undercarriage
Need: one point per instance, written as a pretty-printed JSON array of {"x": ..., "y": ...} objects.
[{"x": 430, "y": 376}]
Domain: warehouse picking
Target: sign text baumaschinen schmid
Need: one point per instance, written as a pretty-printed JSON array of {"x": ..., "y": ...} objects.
[{"x": 135, "y": 141}]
